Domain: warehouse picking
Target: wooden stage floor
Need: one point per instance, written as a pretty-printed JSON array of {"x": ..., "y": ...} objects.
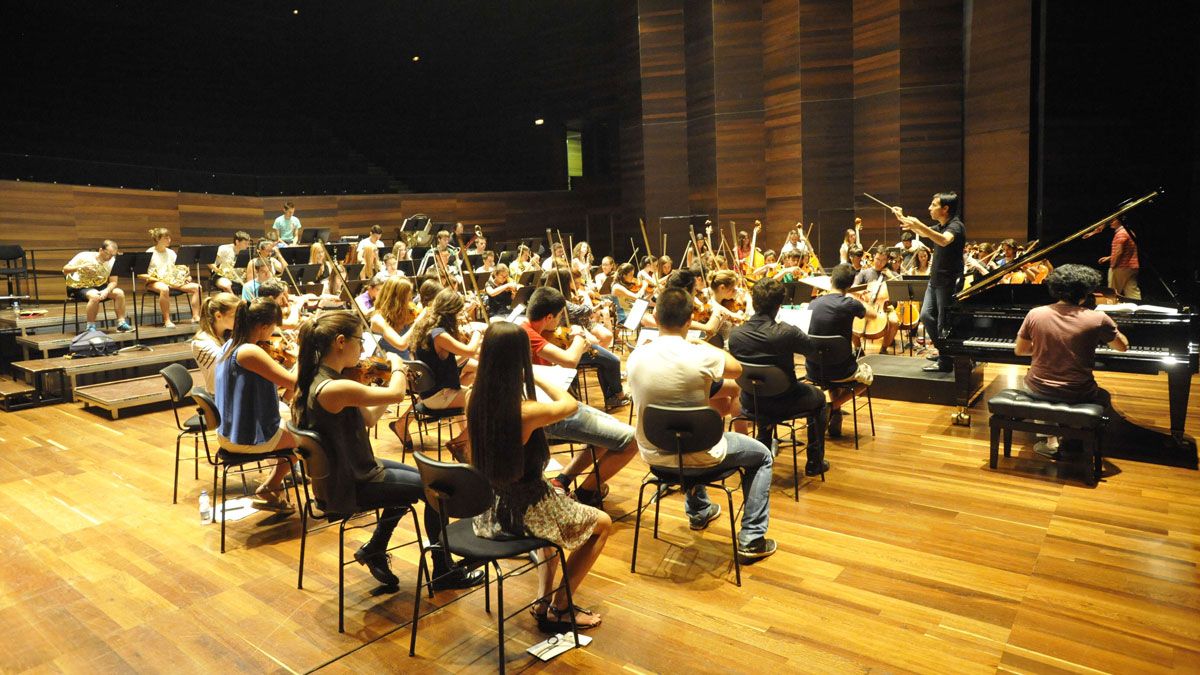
[{"x": 913, "y": 556}]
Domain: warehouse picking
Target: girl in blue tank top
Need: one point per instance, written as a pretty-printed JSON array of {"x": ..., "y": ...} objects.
[{"x": 247, "y": 382}]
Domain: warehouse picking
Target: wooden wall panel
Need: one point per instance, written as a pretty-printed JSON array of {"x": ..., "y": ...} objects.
[
  {"x": 664, "y": 108},
  {"x": 701, "y": 108},
  {"x": 996, "y": 119},
  {"x": 783, "y": 141},
  {"x": 827, "y": 119},
  {"x": 877, "y": 98},
  {"x": 740, "y": 137},
  {"x": 72, "y": 218}
]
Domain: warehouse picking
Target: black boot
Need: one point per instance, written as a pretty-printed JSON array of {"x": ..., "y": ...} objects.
[{"x": 376, "y": 561}]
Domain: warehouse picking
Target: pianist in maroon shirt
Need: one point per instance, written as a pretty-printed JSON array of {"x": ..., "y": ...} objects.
[{"x": 1062, "y": 339}]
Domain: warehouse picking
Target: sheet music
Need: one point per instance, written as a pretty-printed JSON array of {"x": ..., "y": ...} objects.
[
  {"x": 556, "y": 375},
  {"x": 517, "y": 311},
  {"x": 634, "y": 318},
  {"x": 798, "y": 317}
]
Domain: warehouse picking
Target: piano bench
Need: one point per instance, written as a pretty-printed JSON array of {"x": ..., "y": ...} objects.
[{"x": 1014, "y": 409}]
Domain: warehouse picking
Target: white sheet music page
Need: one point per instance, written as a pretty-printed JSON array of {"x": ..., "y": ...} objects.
[{"x": 556, "y": 375}]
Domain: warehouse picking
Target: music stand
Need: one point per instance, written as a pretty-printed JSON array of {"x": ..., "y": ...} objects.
[
  {"x": 475, "y": 260},
  {"x": 294, "y": 255},
  {"x": 481, "y": 279},
  {"x": 507, "y": 257},
  {"x": 133, "y": 264},
  {"x": 310, "y": 235},
  {"x": 408, "y": 267},
  {"x": 908, "y": 289},
  {"x": 242, "y": 259},
  {"x": 529, "y": 277},
  {"x": 205, "y": 255}
]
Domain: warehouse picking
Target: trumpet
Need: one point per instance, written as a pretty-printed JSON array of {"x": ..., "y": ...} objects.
[{"x": 89, "y": 276}]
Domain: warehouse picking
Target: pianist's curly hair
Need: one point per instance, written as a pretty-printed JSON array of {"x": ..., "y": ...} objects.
[{"x": 1072, "y": 283}]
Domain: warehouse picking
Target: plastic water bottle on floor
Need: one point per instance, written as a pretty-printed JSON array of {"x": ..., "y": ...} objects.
[{"x": 206, "y": 514}]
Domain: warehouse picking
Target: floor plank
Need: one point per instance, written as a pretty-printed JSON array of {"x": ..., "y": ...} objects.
[{"x": 913, "y": 556}]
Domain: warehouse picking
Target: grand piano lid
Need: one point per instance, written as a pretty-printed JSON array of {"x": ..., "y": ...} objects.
[{"x": 1037, "y": 254}]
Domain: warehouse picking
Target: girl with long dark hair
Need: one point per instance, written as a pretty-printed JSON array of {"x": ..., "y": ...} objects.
[
  {"x": 504, "y": 421},
  {"x": 341, "y": 411},
  {"x": 247, "y": 383}
]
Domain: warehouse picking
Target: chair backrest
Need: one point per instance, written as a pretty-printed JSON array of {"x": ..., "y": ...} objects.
[
  {"x": 454, "y": 490},
  {"x": 829, "y": 350},
  {"x": 206, "y": 406},
  {"x": 11, "y": 252},
  {"x": 318, "y": 463},
  {"x": 420, "y": 376},
  {"x": 179, "y": 381},
  {"x": 763, "y": 380},
  {"x": 686, "y": 430}
]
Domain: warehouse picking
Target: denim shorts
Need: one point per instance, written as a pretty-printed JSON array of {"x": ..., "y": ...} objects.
[{"x": 592, "y": 427}]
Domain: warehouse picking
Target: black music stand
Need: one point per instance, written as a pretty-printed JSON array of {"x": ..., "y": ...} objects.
[
  {"x": 908, "y": 289},
  {"x": 506, "y": 257},
  {"x": 204, "y": 255},
  {"x": 133, "y": 264},
  {"x": 529, "y": 277},
  {"x": 481, "y": 279},
  {"x": 474, "y": 260},
  {"x": 294, "y": 255},
  {"x": 309, "y": 235},
  {"x": 242, "y": 259},
  {"x": 408, "y": 267}
]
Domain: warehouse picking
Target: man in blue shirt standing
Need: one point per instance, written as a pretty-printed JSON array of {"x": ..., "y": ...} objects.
[{"x": 288, "y": 225}]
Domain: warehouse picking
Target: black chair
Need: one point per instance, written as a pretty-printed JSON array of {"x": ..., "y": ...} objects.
[
  {"x": 179, "y": 386},
  {"x": 173, "y": 293},
  {"x": 766, "y": 381},
  {"x": 832, "y": 350},
  {"x": 15, "y": 268},
  {"x": 318, "y": 465},
  {"x": 460, "y": 491},
  {"x": 420, "y": 378},
  {"x": 1016, "y": 409},
  {"x": 231, "y": 462},
  {"x": 687, "y": 430},
  {"x": 72, "y": 298}
]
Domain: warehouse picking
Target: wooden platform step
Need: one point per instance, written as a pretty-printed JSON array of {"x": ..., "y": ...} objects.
[
  {"x": 15, "y": 394},
  {"x": 122, "y": 394},
  {"x": 48, "y": 342},
  {"x": 42, "y": 373},
  {"x": 53, "y": 318}
]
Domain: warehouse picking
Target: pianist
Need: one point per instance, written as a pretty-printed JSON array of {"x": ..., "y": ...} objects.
[{"x": 1062, "y": 338}]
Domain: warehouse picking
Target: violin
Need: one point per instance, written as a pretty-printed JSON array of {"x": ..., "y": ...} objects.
[
  {"x": 734, "y": 305},
  {"x": 281, "y": 349},
  {"x": 371, "y": 370}
]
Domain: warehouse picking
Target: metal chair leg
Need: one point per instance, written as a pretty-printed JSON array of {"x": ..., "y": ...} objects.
[
  {"x": 637, "y": 526},
  {"x": 500, "y": 613},
  {"x": 737, "y": 565}
]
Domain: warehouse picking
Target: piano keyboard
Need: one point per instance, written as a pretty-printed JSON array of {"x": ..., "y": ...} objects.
[{"x": 1001, "y": 343}]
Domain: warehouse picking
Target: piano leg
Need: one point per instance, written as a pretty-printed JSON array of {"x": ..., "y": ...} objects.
[
  {"x": 1179, "y": 384},
  {"x": 968, "y": 378}
]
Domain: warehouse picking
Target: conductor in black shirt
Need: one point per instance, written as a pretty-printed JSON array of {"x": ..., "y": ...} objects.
[
  {"x": 764, "y": 341},
  {"x": 948, "y": 236}
]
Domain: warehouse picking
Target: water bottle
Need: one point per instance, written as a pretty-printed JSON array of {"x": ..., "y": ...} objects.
[
  {"x": 16, "y": 309},
  {"x": 206, "y": 514}
]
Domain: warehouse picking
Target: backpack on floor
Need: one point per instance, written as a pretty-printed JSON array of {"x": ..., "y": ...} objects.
[{"x": 92, "y": 343}]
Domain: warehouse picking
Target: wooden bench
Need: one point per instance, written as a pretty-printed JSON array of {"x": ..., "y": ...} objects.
[
  {"x": 1016, "y": 409},
  {"x": 48, "y": 342},
  {"x": 117, "y": 396},
  {"x": 39, "y": 372},
  {"x": 16, "y": 395}
]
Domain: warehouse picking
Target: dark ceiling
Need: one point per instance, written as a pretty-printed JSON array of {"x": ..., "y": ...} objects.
[{"x": 312, "y": 87}]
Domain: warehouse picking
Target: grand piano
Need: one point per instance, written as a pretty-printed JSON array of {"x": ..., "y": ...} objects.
[{"x": 982, "y": 326}]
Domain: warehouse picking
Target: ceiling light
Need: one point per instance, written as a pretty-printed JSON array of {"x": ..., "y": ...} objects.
[{"x": 539, "y": 122}]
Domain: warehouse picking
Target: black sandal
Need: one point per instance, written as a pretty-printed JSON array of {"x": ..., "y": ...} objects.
[
  {"x": 538, "y": 610},
  {"x": 559, "y": 620}
]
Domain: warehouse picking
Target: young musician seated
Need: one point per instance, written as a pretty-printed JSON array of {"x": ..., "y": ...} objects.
[
  {"x": 876, "y": 295},
  {"x": 287, "y": 226},
  {"x": 261, "y": 271},
  {"x": 764, "y": 341},
  {"x": 226, "y": 260},
  {"x": 162, "y": 277},
  {"x": 341, "y": 411},
  {"x": 98, "y": 264},
  {"x": 277, "y": 291},
  {"x": 612, "y": 441},
  {"x": 265, "y": 250},
  {"x": 437, "y": 342},
  {"x": 673, "y": 371},
  {"x": 247, "y": 382},
  {"x": 1062, "y": 338},
  {"x": 834, "y": 314},
  {"x": 216, "y": 323},
  {"x": 394, "y": 316},
  {"x": 500, "y": 289},
  {"x": 507, "y": 426},
  {"x": 370, "y": 291},
  {"x": 369, "y": 252}
]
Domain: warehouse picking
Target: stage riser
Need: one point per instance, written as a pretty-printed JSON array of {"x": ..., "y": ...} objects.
[{"x": 900, "y": 378}]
